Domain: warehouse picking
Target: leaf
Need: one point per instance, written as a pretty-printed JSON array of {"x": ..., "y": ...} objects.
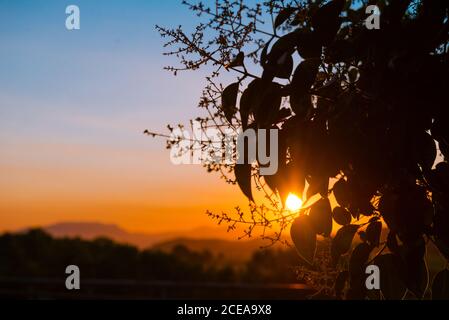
[
  {"x": 326, "y": 21},
  {"x": 282, "y": 16},
  {"x": 342, "y": 193},
  {"x": 262, "y": 98},
  {"x": 243, "y": 177},
  {"x": 359, "y": 257},
  {"x": 249, "y": 100},
  {"x": 238, "y": 61},
  {"x": 304, "y": 238},
  {"x": 392, "y": 284},
  {"x": 321, "y": 217},
  {"x": 341, "y": 216},
  {"x": 285, "y": 44},
  {"x": 319, "y": 185},
  {"x": 266, "y": 103},
  {"x": 278, "y": 58},
  {"x": 357, "y": 287},
  {"x": 392, "y": 242},
  {"x": 264, "y": 53},
  {"x": 308, "y": 45},
  {"x": 342, "y": 241},
  {"x": 284, "y": 66},
  {"x": 440, "y": 286},
  {"x": 303, "y": 78},
  {"x": 229, "y": 100},
  {"x": 245, "y": 105},
  {"x": 373, "y": 232}
]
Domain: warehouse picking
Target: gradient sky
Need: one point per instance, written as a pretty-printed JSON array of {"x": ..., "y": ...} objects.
[{"x": 73, "y": 106}]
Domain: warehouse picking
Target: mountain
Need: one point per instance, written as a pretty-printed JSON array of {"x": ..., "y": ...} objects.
[
  {"x": 91, "y": 230},
  {"x": 198, "y": 239}
]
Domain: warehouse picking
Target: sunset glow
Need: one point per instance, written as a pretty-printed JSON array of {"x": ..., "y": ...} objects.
[{"x": 293, "y": 202}]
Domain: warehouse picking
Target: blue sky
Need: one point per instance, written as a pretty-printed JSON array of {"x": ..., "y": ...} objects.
[
  {"x": 110, "y": 70},
  {"x": 73, "y": 106}
]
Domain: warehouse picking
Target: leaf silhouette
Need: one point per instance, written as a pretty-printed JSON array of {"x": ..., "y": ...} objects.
[
  {"x": 304, "y": 238},
  {"x": 373, "y": 232},
  {"x": 243, "y": 177},
  {"x": 341, "y": 216},
  {"x": 308, "y": 45},
  {"x": 326, "y": 21},
  {"x": 303, "y": 78},
  {"x": 283, "y": 15},
  {"x": 229, "y": 100},
  {"x": 357, "y": 261},
  {"x": 321, "y": 217},
  {"x": 266, "y": 103},
  {"x": 392, "y": 242},
  {"x": 264, "y": 53},
  {"x": 359, "y": 257},
  {"x": 392, "y": 284},
  {"x": 342, "y": 193},
  {"x": 238, "y": 61},
  {"x": 279, "y": 62},
  {"x": 246, "y": 102},
  {"x": 342, "y": 241},
  {"x": 285, "y": 66}
]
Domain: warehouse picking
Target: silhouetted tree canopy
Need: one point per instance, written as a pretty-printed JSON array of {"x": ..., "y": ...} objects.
[
  {"x": 36, "y": 254},
  {"x": 363, "y": 117}
]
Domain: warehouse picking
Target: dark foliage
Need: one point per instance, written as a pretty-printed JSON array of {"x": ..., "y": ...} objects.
[
  {"x": 363, "y": 117},
  {"x": 36, "y": 254}
]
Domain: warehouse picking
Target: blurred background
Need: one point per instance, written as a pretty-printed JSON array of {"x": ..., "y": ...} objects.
[{"x": 82, "y": 185}]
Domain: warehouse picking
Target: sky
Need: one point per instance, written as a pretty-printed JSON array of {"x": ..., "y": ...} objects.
[{"x": 73, "y": 106}]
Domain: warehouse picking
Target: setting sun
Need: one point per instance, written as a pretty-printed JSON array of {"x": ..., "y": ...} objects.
[{"x": 293, "y": 202}]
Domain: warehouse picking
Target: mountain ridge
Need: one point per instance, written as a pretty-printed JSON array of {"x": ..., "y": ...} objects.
[{"x": 92, "y": 230}]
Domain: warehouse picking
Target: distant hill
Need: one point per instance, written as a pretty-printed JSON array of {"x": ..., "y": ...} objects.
[
  {"x": 199, "y": 239},
  {"x": 91, "y": 230}
]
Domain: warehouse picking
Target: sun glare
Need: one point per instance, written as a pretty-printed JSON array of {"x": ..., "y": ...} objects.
[{"x": 293, "y": 202}]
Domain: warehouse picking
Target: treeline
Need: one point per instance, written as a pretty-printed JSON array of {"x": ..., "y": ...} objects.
[{"x": 37, "y": 254}]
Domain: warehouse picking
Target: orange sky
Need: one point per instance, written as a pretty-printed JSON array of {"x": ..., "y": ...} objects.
[
  {"x": 138, "y": 189},
  {"x": 73, "y": 106}
]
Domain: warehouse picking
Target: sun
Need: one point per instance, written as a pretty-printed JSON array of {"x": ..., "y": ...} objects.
[{"x": 293, "y": 202}]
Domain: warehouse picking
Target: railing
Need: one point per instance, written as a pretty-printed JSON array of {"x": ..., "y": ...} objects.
[{"x": 43, "y": 288}]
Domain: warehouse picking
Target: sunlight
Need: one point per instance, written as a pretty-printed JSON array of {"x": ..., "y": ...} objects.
[{"x": 293, "y": 202}]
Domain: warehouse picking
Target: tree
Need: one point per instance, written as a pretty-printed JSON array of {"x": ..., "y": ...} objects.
[{"x": 360, "y": 113}]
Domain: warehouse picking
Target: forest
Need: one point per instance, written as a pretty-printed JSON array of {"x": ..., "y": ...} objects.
[{"x": 35, "y": 254}]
